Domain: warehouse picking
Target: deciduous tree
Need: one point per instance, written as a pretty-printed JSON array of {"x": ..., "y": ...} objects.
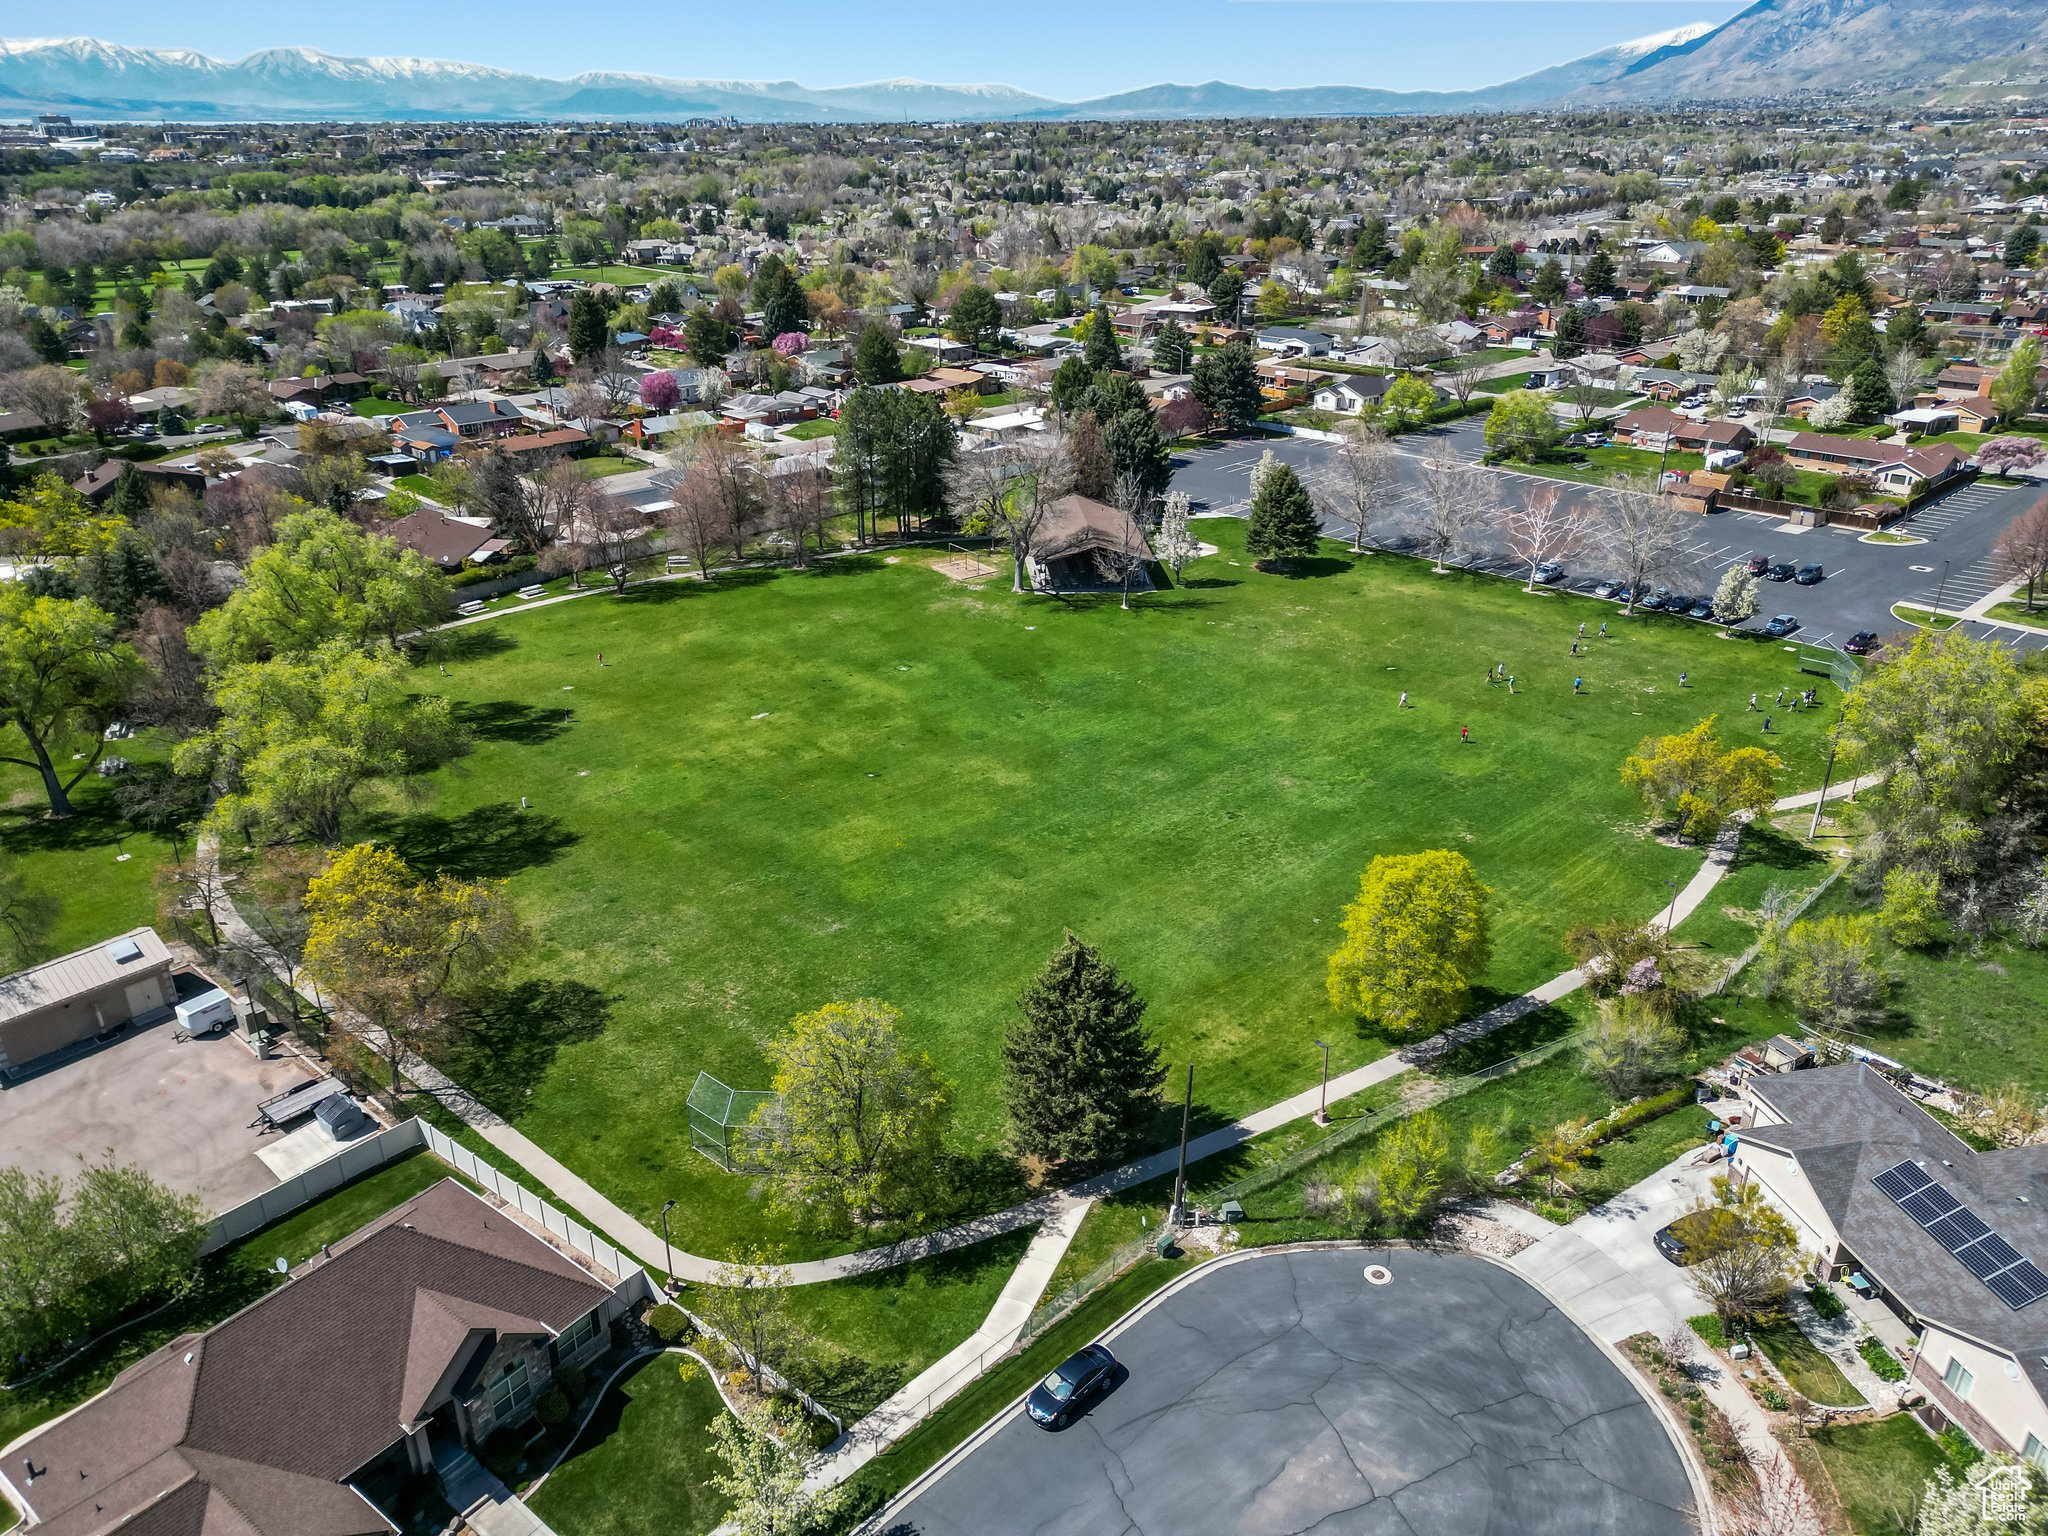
[
  {"x": 765, "y": 1473},
  {"x": 1544, "y": 524},
  {"x": 1691, "y": 779},
  {"x": 1740, "y": 1250},
  {"x": 64, "y": 678},
  {"x": 1413, "y": 940}
]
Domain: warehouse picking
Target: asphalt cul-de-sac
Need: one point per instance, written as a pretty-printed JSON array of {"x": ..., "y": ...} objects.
[{"x": 1286, "y": 1394}]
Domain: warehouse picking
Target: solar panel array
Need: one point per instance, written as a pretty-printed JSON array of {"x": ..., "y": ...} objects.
[{"x": 2011, "y": 1276}]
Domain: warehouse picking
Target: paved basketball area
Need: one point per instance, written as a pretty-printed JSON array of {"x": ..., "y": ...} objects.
[{"x": 1285, "y": 1394}]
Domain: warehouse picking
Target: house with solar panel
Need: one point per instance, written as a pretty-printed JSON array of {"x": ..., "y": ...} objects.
[{"x": 1953, "y": 1240}]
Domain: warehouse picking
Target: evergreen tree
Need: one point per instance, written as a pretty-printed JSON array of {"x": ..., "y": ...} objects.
[
  {"x": 590, "y": 329},
  {"x": 1073, "y": 383},
  {"x": 1549, "y": 282},
  {"x": 706, "y": 336},
  {"x": 1870, "y": 392},
  {"x": 876, "y": 359},
  {"x": 543, "y": 369},
  {"x": 44, "y": 341},
  {"x": 1598, "y": 274},
  {"x": 130, "y": 497},
  {"x": 1172, "y": 349},
  {"x": 1205, "y": 261},
  {"x": 781, "y": 297},
  {"x": 1101, "y": 352},
  {"x": 1571, "y": 335},
  {"x": 975, "y": 318},
  {"x": 1503, "y": 261},
  {"x": 1283, "y": 524},
  {"x": 1139, "y": 451},
  {"x": 1371, "y": 252},
  {"x": 1905, "y": 330},
  {"x": 1083, "y": 1076},
  {"x": 1226, "y": 293},
  {"x": 1227, "y": 382}
]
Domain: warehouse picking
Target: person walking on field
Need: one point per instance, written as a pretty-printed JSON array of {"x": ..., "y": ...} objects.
[
  {"x": 1576, "y": 683},
  {"x": 1511, "y": 682},
  {"x": 1582, "y": 629},
  {"x": 1752, "y": 703},
  {"x": 1404, "y": 700},
  {"x": 1767, "y": 725},
  {"x": 1464, "y": 733},
  {"x": 1603, "y": 629},
  {"x": 1681, "y": 679}
]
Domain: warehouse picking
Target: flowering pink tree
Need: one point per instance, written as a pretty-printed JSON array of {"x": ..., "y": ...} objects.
[
  {"x": 662, "y": 336},
  {"x": 789, "y": 343},
  {"x": 2003, "y": 455},
  {"x": 659, "y": 391}
]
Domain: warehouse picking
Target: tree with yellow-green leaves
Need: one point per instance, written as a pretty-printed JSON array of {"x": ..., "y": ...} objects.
[
  {"x": 1413, "y": 941},
  {"x": 399, "y": 952},
  {"x": 1690, "y": 779},
  {"x": 51, "y": 521},
  {"x": 859, "y": 1126},
  {"x": 64, "y": 679}
]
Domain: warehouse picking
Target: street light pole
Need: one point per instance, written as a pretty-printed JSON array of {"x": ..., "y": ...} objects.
[
  {"x": 1671, "y": 911},
  {"x": 1323, "y": 1110},
  {"x": 668, "y": 1257},
  {"x": 1826, "y": 778},
  {"x": 1940, "y": 591}
]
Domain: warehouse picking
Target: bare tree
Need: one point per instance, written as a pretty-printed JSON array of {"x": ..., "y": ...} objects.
[
  {"x": 1452, "y": 499},
  {"x": 1545, "y": 523},
  {"x": 1120, "y": 562},
  {"x": 800, "y": 500},
  {"x": 1644, "y": 533},
  {"x": 696, "y": 514},
  {"x": 734, "y": 483},
  {"x": 1776, "y": 1504},
  {"x": 585, "y": 404},
  {"x": 1904, "y": 374},
  {"x": 1462, "y": 377},
  {"x": 1016, "y": 485},
  {"x": 615, "y": 531},
  {"x": 1361, "y": 480},
  {"x": 1584, "y": 395},
  {"x": 49, "y": 394},
  {"x": 2023, "y": 549}
]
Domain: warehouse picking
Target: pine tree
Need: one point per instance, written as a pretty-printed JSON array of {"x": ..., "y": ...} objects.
[
  {"x": 1083, "y": 1076},
  {"x": 1283, "y": 522},
  {"x": 1100, "y": 350},
  {"x": 876, "y": 359}
]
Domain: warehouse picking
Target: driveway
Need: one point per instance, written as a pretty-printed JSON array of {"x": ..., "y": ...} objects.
[{"x": 1283, "y": 1392}]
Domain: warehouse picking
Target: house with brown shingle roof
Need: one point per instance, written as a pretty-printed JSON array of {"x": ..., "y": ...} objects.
[{"x": 439, "y": 1322}]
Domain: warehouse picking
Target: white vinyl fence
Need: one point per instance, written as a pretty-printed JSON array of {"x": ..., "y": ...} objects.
[{"x": 371, "y": 1152}]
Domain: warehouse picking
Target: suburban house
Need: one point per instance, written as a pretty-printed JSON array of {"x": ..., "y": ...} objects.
[
  {"x": 1078, "y": 535},
  {"x": 1972, "y": 413},
  {"x": 1671, "y": 383},
  {"x": 449, "y": 541},
  {"x": 75, "y": 998},
  {"x": 1897, "y": 471},
  {"x": 433, "y": 1326},
  {"x": 1806, "y": 396},
  {"x": 464, "y": 418},
  {"x": 1351, "y": 395},
  {"x": 1655, "y": 428},
  {"x": 321, "y": 389},
  {"x": 97, "y": 484},
  {"x": 1949, "y": 1238},
  {"x": 1293, "y": 341}
]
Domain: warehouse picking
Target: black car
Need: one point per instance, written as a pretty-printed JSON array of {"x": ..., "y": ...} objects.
[
  {"x": 1703, "y": 609},
  {"x": 1784, "y": 570},
  {"x": 1862, "y": 643},
  {"x": 1074, "y": 1382},
  {"x": 1809, "y": 575},
  {"x": 1756, "y": 565},
  {"x": 1650, "y": 602},
  {"x": 1670, "y": 1244},
  {"x": 1780, "y": 626}
]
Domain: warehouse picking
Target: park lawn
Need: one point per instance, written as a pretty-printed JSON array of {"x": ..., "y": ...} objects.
[
  {"x": 865, "y": 780},
  {"x": 895, "y": 1322},
  {"x": 1727, "y": 922},
  {"x": 2016, "y": 611},
  {"x": 643, "y": 1465},
  {"x": 230, "y": 1279},
  {"x": 1878, "y": 1468},
  {"x": 820, "y": 426},
  {"x": 78, "y": 860},
  {"x": 618, "y": 274},
  {"x": 1812, "y": 1374},
  {"x": 1970, "y": 1016}
]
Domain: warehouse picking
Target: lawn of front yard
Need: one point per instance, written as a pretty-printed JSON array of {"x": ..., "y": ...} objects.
[
  {"x": 867, "y": 780},
  {"x": 601, "y": 466},
  {"x": 819, "y": 426},
  {"x": 643, "y": 1466},
  {"x": 370, "y": 405},
  {"x": 1599, "y": 466},
  {"x": 1812, "y": 1374},
  {"x": 1878, "y": 1469}
]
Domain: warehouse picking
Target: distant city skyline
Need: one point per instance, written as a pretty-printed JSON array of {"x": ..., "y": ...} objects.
[{"x": 1066, "y": 49}]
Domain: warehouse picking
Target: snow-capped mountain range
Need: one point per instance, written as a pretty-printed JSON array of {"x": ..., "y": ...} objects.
[{"x": 1773, "y": 47}]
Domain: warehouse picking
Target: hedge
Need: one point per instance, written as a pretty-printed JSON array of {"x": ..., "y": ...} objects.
[{"x": 469, "y": 576}]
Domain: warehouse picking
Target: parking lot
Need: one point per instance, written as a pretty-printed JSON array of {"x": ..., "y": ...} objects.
[
  {"x": 180, "y": 1109},
  {"x": 1285, "y": 1392},
  {"x": 1862, "y": 580}
]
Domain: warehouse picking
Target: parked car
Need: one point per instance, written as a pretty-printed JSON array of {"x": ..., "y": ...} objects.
[
  {"x": 1549, "y": 571},
  {"x": 1756, "y": 565},
  {"x": 1784, "y": 570},
  {"x": 1809, "y": 575},
  {"x": 1606, "y": 589},
  {"x": 1670, "y": 1244},
  {"x": 1586, "y": 440},
  {"x": 1862, "y": 643},
  {"x": 1703, "y": 609},
  {"x": 1623, "y": 595},
  {"x": 1650, "y": 602},
  {"x": 1075, "y": 1381},
  {"x": 1780, "y": 626}
]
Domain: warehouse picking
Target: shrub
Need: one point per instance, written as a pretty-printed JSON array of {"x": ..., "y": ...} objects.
[
  {"x": 1709, "y": 1328},
  {"x": 1826, "y": 1302},
  {"x": 1963, "y": 1452},
  {"x": 1884, "y": 1365},
  {"x": 1774, "y": 1400},
  {"x": 504, "y": 1453},
  {"x": 552, "y": 1408},
  {"x": 671, "y": 1325},
  {"x": 571, "y": 1380},
  {"x": 518, "y": 565}
]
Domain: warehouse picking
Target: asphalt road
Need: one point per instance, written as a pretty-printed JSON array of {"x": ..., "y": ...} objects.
[
  {"x": 1863, "y": 580},
  {"x": 1284, "y": 1393}
]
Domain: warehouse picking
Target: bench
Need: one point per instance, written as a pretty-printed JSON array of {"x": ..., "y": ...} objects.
[
  {"x": 528, "y": 594},
  {"x": 473, "y": 606}
]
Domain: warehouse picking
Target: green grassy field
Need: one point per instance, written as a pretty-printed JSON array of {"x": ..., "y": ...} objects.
[
  {"x": 370, "y": 405},
  {"x": 804, "y": 431},
  {"x": 1878, "y": 1469},
  {"x": 868, "y": 780},
  {"x": 642, "y": 1467},
  {"x": 78, "y": 860}
]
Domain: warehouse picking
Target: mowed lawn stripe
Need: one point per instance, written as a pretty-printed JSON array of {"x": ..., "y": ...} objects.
[{"x": 942, "y": 778}]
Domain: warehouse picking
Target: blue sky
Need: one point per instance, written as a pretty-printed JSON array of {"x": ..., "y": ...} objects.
[{"x": 1063, "y": 48}]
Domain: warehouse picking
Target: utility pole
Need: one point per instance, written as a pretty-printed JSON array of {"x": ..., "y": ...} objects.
[
  {"x": 1939, "y": 592},
  {"x": 1180, "y": 1177},
  {"x": 1323, "y": 1109},
  {"x": 1826, "y": 778}
]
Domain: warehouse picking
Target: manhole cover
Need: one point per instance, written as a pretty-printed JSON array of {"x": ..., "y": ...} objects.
[{"x": 1378, "y": 1274}]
